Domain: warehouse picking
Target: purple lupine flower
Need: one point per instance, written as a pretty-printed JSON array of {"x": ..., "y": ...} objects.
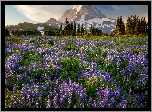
[
  {"x": 106, "y": 92},
  {"x": 117, "y": 92},
  {"x": 122, "y": 104},
  {"x": 14, "y": 89},
  {"x": 94, "y": 104},
  {"x": 90, "y": 100},
  {"x": 48, "y": 103},
  {"x": 55, "y": 101},
  {"x": 112, "y": 101},
  {"x": 102, "y": 104},
  {"x": 81, "y": 105},
  {"x": 29, "y": 104}
]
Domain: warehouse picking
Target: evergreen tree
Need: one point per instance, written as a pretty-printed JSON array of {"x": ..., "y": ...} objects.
[
  {"x": 71, "y": 29},
  {"x": 7, "y": 34},
  {"x": 61, "y": 29},
  {"x": 67, "y": 28},
  {"x": 120, "y": 27},
  {"x": 91, "y": 30},
  {"x": 74, "y": 28},
  {"x": 128, "y": 26},
  {"x": 144, "y": 26},
  {"x": 78, "y": 30},
  {"x": 82, "y": 29},
  {"x": 85, "y": 32},
  {"x": 12, "y": 32},
  {"x": 136, "y": 26},
  {"x": 96, "y": 32},
  {"x": 147, "y": 28}
]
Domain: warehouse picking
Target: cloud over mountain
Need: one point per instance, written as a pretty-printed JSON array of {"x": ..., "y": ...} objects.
[{"x": 41, "y": 13}]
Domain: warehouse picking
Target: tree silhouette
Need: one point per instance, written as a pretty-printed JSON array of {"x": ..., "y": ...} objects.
[
  {"x": 74, "y": 29},
  {"x": 7, "y": 34},
  {"x": 78, "y": 30},
  {"x": 82, "y": 29},
  {"x": 61, "y": 29}
]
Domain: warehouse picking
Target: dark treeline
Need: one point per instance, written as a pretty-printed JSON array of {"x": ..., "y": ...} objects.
[
  {"x": 72, "y": 29},
  {"x": 22, "y": 32},
  {"x": 134, "y": 26}
]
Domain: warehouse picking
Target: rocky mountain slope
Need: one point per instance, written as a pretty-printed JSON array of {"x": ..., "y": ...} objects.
[{"x": 87, "y": 14}]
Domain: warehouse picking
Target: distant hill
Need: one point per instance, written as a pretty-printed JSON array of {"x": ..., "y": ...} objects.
[{"x": 25, "y": 25}]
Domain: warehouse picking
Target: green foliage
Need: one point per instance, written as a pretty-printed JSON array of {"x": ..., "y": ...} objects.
[
  {"x": 33, "y": 41},
  {"x": 70, "y": 68},
  {"x": 9, "y": 96},
  {"x": 70, "y": 46},
  {"x": 111, "y": 68},
  {"x": 14, "y": 39},
  {"x": 91, "y": 85},
  {"x": 11, "y": 80},
  {"x": 136, "y": 50},
  {"x": 120, "y": 27},
  {"x": 24, "y": 62},
  {"x": 8, "y": 54},
  {"x": 136, "y": 26},
  {"x": 51, "y": 42},
  {"x": 7, "y": 34},
  {"x": 74, "y": 99},
  {"x": 92, "y": 55}
]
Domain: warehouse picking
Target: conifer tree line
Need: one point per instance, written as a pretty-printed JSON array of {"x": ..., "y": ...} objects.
[
  {"x": 134, "y": 26},
  {"x": 22, "y": 32},
  {"x": 72, "y": 29}
]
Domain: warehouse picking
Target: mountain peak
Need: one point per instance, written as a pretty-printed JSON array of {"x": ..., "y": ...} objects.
[
  {"x": 77, "y": 7},
  {"x": 76, "y": 11},
  {"x": 87, "y": 14}
]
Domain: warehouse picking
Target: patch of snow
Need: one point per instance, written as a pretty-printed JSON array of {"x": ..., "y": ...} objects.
[
  {"x": 113, "y": 25},
  {"x": 42, "y": 33},
  {"x": 40, "y": 28},
  {"x": 96, "y": 20},
  {"x": 112, "y": 29},
  {"x": 106, "y": 19},
  {"x": 86, "y": 10},
  {"x": 107, "y": 25},
  {"x": 112, "y": 21},
  {"x": 77, "y": 7}
]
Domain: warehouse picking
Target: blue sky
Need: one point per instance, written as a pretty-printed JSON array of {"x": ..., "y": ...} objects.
[{"x": 15, "y": 14}]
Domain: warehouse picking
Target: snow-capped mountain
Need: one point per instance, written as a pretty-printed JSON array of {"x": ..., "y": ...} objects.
[
  {"x": 86, "y": 14},
  {"x": 75, "y": 12}
]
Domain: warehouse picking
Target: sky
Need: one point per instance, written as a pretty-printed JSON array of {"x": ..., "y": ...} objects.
[{"x": 15, "y": 14}]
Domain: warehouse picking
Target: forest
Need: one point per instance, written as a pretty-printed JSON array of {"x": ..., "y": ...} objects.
[{"x": 134, "y": 26}]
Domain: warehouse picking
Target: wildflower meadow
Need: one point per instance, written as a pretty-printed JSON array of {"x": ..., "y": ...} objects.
[{"x": 57, "y": 72}]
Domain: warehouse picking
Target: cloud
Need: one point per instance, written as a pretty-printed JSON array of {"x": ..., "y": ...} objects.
[
  {"x": 42, "y": 13},
  {"x": 115, "y": 7}
]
